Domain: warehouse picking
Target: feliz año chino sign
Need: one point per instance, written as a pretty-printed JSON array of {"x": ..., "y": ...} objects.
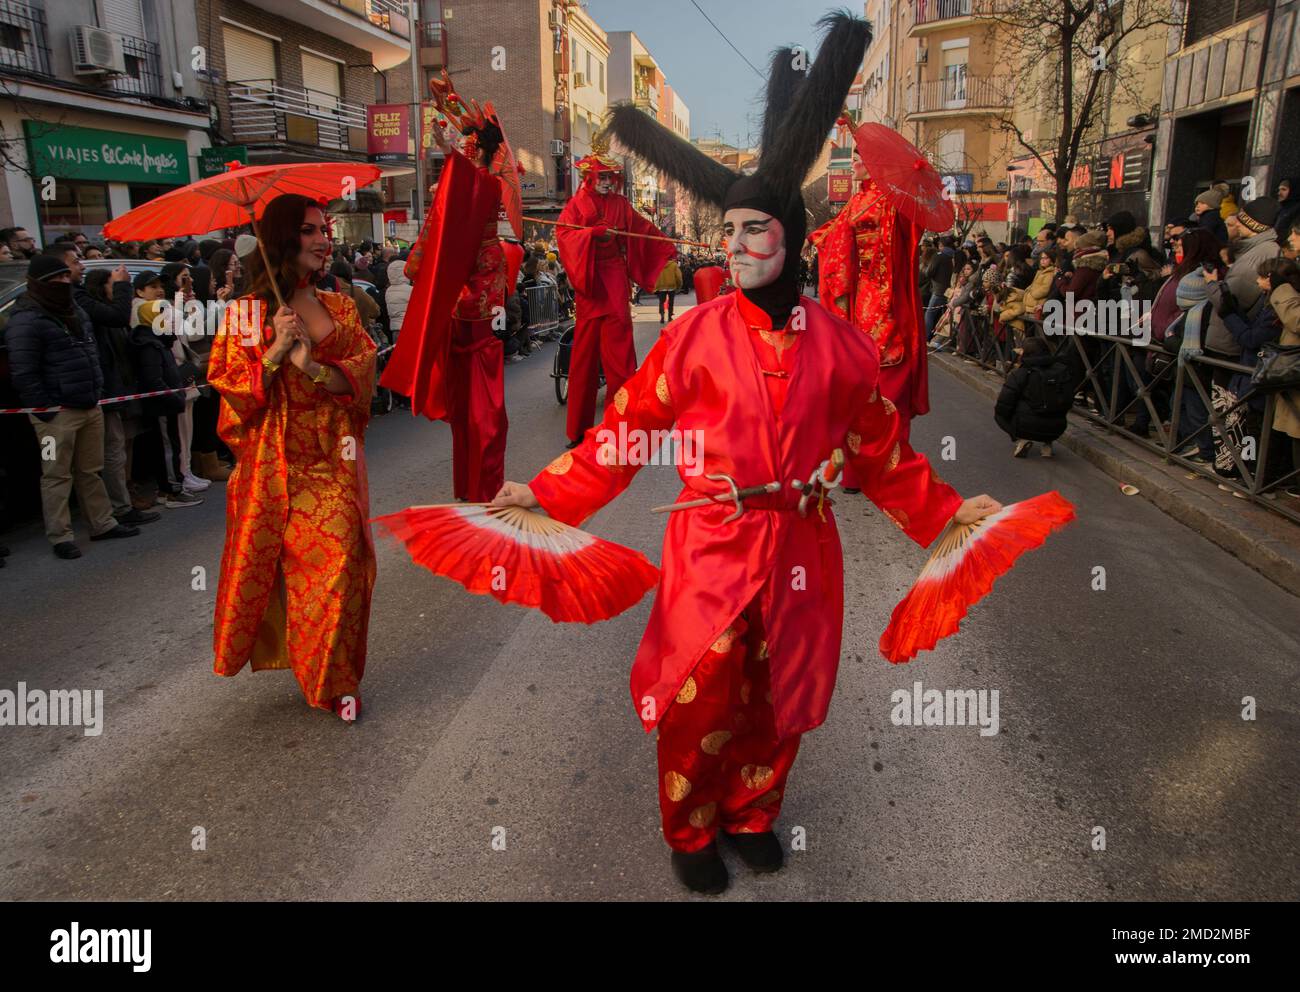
[{"x": 88, "y": 153}]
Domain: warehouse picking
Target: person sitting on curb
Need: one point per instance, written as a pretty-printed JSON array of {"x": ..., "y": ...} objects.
[{"x": 1034, "y": 400}]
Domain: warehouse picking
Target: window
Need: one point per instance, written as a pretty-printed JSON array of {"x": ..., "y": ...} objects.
[
  {"x": 602, "y": 76},
  {"x": 249, "y": 57},
  {"x": 77, "y": 206},
  {"x": 1204, "y": 19},
  {"x": 590, "y": 74}
]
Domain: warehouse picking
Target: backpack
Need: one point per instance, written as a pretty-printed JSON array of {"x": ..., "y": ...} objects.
[{"x": 1050, "y": 390}]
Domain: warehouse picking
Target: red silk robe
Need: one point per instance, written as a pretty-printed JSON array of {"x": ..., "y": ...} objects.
[
  {"x": 441, "y": 263},
  {"x": 476, "y": 385},
  {"x": 867, "y": 275},
  {"x": 599, "y": 274},
  {"x": 703, "y": 376},
  {"x": 297, "y": 505}
]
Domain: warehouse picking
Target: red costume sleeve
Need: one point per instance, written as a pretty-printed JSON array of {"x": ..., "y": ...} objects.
[
  {"x": 896, "y": 478},
  {"x": 577, "y": 249},
  {"x": 466, "y": 199},
  {"x": 581, "y": 481},
  {"x": 646, "y": 257},
  {"x": 837, "y": 268}
]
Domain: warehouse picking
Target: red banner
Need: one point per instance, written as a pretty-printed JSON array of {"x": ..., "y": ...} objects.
[
  {"x": 839, "y": 187},
  {"x": 388, "y": 132}
]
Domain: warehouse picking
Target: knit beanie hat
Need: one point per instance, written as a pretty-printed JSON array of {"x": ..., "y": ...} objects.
[
  {"x": 44, "y": 267},
  {"x": 1123, "y": 223},
  {"x": 1259, "y": 214},
  {"x": 1211, "y": 198},
  {"x": 1192, "y": 290},
  {"x": 245, "y": 245}
]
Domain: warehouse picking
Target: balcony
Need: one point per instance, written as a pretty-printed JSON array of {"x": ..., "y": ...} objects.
[
  {"x": 647, "y": 98},
  {"x": 433, "y": 44},
  {"x": 380, "y": 27},
  {"x": 23, "y": 37},
  {"x": 143, "y": 76},
  {"x": 268, "y": 111},
  {"x": 958, "y": 94},
  {"x": 932, "y": 14}
]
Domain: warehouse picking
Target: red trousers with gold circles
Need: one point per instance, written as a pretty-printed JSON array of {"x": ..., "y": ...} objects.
[{"x": 720, "y": 762}]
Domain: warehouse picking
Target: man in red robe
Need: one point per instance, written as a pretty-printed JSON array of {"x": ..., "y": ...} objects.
[
  {"x": 599, "y": 256},
  {"x": 740, "y": 655}
]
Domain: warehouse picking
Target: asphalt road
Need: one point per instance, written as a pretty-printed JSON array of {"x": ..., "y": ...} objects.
[{"x": 1119, "y": 709}]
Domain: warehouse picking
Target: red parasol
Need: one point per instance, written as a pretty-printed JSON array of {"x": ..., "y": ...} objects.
[
  {"x": 238, "y": 196},
  {"x": 908, "y": 180}
]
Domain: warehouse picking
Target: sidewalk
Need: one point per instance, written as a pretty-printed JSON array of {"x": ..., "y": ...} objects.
[{"x": 1266, "y": 542}]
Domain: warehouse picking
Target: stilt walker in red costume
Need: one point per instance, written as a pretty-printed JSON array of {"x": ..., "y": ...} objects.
[
  {"x": 740, "y": 654},
  {"x": 603, "y": 243},
  {"x": 448, "y": 359}
]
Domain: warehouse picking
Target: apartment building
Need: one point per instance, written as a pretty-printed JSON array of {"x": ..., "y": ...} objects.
[
  {"x": 100, "y": 110},
  {"x": 1230, "y": 101}
]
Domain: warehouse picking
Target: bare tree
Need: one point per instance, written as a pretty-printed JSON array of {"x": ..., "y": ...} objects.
[
  {"x": 1065, "y": 52},
  {"x": 701, "y": 219}
]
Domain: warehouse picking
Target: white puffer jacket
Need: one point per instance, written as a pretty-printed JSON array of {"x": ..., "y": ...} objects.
[{"x": 397, "y": 295}]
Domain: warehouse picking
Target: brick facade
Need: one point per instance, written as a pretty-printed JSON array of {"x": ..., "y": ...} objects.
[
  {"x": 523, "y": 92},
  {"x": 358, "y": 79}
]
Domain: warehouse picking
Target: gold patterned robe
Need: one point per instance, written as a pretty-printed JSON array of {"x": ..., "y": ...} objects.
[{"x": 299, "y": 565}]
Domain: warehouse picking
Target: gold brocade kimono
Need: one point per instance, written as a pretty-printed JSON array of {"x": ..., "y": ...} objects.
[{"x": 299, "y": 565}]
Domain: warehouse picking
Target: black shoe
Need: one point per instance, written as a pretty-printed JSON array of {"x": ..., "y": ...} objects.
[
  {"x": 761, "y": 852},
  {"x": 851, "y": 490},
  {"x": 572, "y": 444},
  {"x": 701, "y": 871},
  {"x": 134, "y": 516},
  {"x": 121, "y": 530},
  {"x": 67, "y": 549}
]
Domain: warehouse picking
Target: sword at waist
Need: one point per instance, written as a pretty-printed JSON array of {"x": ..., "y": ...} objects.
[{"x": 735, "y": 495}]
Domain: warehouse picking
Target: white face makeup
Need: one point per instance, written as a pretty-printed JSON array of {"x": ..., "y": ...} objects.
[{"x": 755, "y": 246}]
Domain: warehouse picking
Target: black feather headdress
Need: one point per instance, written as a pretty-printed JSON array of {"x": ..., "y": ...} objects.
[{"x": 800, "y": 111}]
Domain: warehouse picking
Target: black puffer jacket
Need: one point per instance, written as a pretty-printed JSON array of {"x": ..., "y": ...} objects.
[
  {"x": 155, "y": 369},
  {"x": 1016, "y": 413},
  {"x": 49, "y": 365}
]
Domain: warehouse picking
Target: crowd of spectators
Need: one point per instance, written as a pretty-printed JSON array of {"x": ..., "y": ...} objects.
[
  {"x": 78, "y": 338},
  {"x": 1220, "y": 282}
]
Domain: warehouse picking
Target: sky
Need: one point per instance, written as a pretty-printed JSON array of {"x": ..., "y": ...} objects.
[{"x": 721, "y": 91}]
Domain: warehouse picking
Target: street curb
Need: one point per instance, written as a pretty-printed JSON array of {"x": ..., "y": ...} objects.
[{"x": 1266, "y": 542}]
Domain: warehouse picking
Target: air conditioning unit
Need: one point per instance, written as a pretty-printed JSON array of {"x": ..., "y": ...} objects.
[
  {"x": 96, "y": 51},
  {"x": 557, "y": 146},
  {"x": 579, "y": 80},
  {"x": 922, "y": 55}
]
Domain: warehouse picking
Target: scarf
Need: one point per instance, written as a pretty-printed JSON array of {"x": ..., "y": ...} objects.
[{"x": 55, "y": 298}]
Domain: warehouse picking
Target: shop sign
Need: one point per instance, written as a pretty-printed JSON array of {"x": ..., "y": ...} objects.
[{"x": 112, "y": 156}]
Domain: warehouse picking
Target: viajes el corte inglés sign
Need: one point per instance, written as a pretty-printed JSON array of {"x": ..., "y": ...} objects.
[{"x": 88, "y": 153}]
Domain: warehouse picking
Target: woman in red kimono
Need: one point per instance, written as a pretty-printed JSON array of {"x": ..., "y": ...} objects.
[
  {"x": 599, "y": 260},
  {"x": 740, "y": 655},
  {"x": 298, "y": 566},
  {"x": 866, "y": 275}
]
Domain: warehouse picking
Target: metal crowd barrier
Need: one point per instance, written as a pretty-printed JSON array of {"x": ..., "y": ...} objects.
[
  {"x": 1117, "y": 386},
  {"x": 543, "y": 309}
]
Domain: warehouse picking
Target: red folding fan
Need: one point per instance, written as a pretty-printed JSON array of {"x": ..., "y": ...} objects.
[
  {"x": 967, "y": 560},
  {"x": 518, "y": 556}
]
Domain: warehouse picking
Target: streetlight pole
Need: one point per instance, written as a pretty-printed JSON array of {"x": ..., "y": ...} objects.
[{"x": 417, "y": 113}]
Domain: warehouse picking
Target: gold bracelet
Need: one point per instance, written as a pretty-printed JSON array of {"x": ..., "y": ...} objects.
[
  {"x": 320, "y": 377},
  {"x": 269, "y": 365}
]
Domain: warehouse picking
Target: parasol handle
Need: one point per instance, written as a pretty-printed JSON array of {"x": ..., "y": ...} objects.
[{"x": 261, "y": 247}]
